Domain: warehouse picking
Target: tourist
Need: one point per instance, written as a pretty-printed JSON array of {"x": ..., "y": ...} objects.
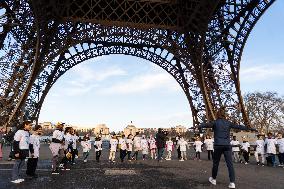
[
  {"x": 74, "y": 151},
  {"x": 198, "y": 148},
  {"x": 98, "y": 147},
  {"x": 169, "y": 147},
  {"x": 34, "y": 148},
  {"x": 153, "y": 147},
  {"x": 183, "y": 145},
  {"x": 86, "y": 145},
  {"x": 2, "y": 131},
  {"x": 57, "y": 147},
  {"x": 270, "y": 145},
  {"x": 68, "y": 148},
  {"x": 161, "y": 143},
  {"x": 259, "y": 151},
  {"x": 144, "y": 146},
  {"x": 245, "y": 148},
  {"x": 178, "y": 147},
  {"x": 221, "y": 128},
  {"x": 137, "y": 145},
  {"x": 123, "y": 147},
  {"x": 129, "y": 143},
  {"x": 280, "y": 143},
  {"x": 209, "y": 142},
  {"x": 235, "y": 149},
  {"x": 113, "y": 147},
  {"x": 21, "y": 149}
]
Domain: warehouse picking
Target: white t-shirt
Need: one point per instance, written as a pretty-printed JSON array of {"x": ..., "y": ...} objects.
[
  {"x": 113, "y": 145},
  {"x": 129, "y": 143},
  {"x": 280, "y": 142},
  {"x": 57, "y": 134},
  {"x": 271, "y": 146},
  {"x": 98, "y": 143},
  {"x": 182, "y": 144},
  {"x": 122, "y": 143},
  {"x": 75, "y": 138},
  {"x": 198, "y": 145},
  {"x": 137, "y": 143},
  {"x": 23, "y": 137},
  {"x": 169, "y": 145},
  {"x": 86, "y": 145},
  {"x": 144, "y": 146},
  {"x": 260, "y": 146},
  {"x": 235, "y": 143},
  {"x": 209, "y": 143},
  {"x": 245, "y": 146},
  {"x": 35, "y": 141},
  {"x": 68, "y": 140},
  {"x": 152, "y": 143}
]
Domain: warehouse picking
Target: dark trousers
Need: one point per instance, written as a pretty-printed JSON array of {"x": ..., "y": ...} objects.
[
  {"x": 135, "y": 155},
  {"x": 31, "y": 166},
  {"x": 160, "y": 153},
  {"x": 98, "y": 155},
  {"x": 129, "y": 155},
  {"x": 197, "y": 155},
  {"x": 122, "y": 155},
  {"x": 246, "y": 156},
  {"x": 179, "y": 153},
  {"x": 210, "y": 153},
  {"x": 74, "y": 151},
  {"x": 281, "y": 158},
  {"x": 227, "y": 151}
]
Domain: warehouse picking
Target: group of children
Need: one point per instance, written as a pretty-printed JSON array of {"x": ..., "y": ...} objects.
[{"x": 265, "y": 151}]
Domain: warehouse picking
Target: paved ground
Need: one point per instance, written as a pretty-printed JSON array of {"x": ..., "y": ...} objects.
[{"x": 189, "y": 174}]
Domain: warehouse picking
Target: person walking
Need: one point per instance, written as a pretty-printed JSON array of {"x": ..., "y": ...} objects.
[
  {"x": 236, "y": 149},
  {"x": 221, "y": 128},
  {"x": 209, "y": 142},
  {"x": 161, "y": 143},
  {"x": 259, "y": 151},
  {"x": 123, "y": 147},
  {"x": 98, "y": 147},
  {"x": 86, "y": 145}
]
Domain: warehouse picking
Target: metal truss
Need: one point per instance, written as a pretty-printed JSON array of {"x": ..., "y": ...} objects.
[{"x": 198, "y": 42}]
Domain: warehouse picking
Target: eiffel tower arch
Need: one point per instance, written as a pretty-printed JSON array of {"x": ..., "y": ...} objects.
[{"x": 198, "y": 42}]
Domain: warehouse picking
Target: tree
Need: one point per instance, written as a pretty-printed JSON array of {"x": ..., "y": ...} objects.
[{"x": 265, "y": 111}]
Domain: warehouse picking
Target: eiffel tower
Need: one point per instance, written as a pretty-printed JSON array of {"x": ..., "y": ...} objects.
[{"x": 198, "y": 42}]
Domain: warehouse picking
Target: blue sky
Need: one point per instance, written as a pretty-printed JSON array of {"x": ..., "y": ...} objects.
[{"x": 117, "y": 89}]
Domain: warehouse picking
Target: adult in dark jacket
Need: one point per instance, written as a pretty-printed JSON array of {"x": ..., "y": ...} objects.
[
  {"x": 161, "y": 143},
  {"x": 221, "y": 128}
]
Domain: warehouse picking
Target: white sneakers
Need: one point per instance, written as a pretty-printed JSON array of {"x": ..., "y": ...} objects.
[
  {"x": 85, "y": 161},
  {"x": 213, "y": 181},
  {"x": 232, "y": 185},
  {"x": 18, "y": 181}
]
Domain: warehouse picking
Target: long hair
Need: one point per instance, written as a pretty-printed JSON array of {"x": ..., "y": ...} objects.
[{"x": 221, "y": 114}]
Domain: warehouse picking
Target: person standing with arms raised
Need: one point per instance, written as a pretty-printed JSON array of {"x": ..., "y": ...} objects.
[{"x": 221, "y": 128}]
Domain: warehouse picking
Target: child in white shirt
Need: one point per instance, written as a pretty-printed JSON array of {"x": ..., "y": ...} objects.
[
  {"x": 169, "y": 147},
  {"x": 21, "y": 148},
  {"x": 270, "y": 145},
  {"x": 259, "y": 151},
  {"x": 183, "y": 146},
  {"x": 35, "y": 146},
  {"x": 280, "y": 143},
  {"x": 86, "y": 145},
  {"x": 129, "y": 143},
  {"x": 113, "y": 147},
  {"x": 235, "y": 149},
  {"x": 144, "y": 146},
  {"x": 98, "y": 148},
  {"x": 198, "y": 148},
  {"x": 123, "y": 147},
  {"x": 245, "y": 147},
  {"x": 209, "y": 146},
  {"x": 153, "y": 147},
  {"x": 137, "y": 145}
]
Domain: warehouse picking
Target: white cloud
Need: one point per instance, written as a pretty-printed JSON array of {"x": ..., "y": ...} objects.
[{"x": 143, "y": 83}]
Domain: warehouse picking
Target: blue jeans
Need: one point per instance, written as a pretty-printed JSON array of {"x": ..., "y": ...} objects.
[
  {"x": 160, "y": 153},
  {"x": 227, "y": 151}
]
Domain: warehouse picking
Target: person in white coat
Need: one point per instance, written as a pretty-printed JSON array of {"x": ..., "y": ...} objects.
[
  {"x": 280, "y": 143},
  {"x": 198, "y": 148},
  {"x": 169, "y": 147},
  {"x": 183, "y": 145},
  {"x": 209, "y": 142},
  {"x": 270, "y": 146},
  {"x": 113, "y": 147},
  {"x": 144, "y": 146},
  {"x": 34, "y": 155},
  {"x": 259, "y": 150},
  {"x": 86, "y": 145}
]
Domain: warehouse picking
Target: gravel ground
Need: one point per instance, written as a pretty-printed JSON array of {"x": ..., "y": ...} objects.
[{"x": 173, "y": 174}]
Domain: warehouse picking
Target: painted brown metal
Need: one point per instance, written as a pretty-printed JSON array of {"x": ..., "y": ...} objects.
[{"x": 198, "y": 42}]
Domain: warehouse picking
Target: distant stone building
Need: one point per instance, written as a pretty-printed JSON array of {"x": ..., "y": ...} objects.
[
  {"x": 47, "y": 125},
  {"x": 101, "y": 129},
  {"x": 130, "y": 129}
]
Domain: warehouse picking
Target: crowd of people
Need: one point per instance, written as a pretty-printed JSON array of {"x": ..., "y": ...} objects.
[{"x": 65, "y": 141}]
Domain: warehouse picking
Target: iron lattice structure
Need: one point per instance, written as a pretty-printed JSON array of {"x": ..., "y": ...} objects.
[{"x": 198, "y": 42}]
